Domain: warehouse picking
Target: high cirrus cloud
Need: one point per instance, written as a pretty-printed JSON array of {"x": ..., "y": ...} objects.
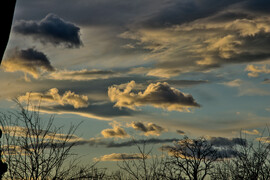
[
  {"x": 148, "y": 129},
  {"x": 52, "y": 29},
  {"x": 30, "y": 61},
  {"x": 159, "y": 95},
  {"x": 53, "y": 97}
]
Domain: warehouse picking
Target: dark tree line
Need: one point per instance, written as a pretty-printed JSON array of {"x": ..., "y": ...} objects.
[{"x": 35, "y": 149}]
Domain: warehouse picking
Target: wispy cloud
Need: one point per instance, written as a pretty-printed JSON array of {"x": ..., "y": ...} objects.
[
  {"x": 23, "y": 132},
  {"x": 253, "y": 132},
  {"x": 247, "y": 88},
  {"x": 82, "y": 75},
  {"x": 119, "y": 157}
]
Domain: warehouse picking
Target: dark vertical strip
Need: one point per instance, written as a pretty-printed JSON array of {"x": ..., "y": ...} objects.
[{"x": 6, "y": 16}]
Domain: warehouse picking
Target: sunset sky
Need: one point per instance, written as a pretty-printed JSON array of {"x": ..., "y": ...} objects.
[{"x": 147, "y": 69}]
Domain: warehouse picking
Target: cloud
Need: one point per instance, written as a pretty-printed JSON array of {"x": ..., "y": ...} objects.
[
  {"x": 148, "y": 129},
  {"x": 20, "y": 131},
  {"x": 247, "y": 88},
  {"x": 180, "y": 132},
  {"x": 254, "y": 71},
  {"x": 113, "y": 144},
  {"x": 204, "y": 44},
  {"x": 159, "y": 95},
  {"x": 187, "y": 148},
  {"x": 226, "y": 142},
  {"x": 253, "y": 132},
  {"x": 51, "y": 29},
  {"x": 100, "y": 111},
  {"x": 266, "y": 81},
  {"x": 233, "y": 83},
  {"x": 264, "y": 139},
  {"x": 52, "y": 96},
  {"x": 29, "y": 61},
  {"x": 82, "y": 75},
  {"x": 119, "y": 157},
  {"x": 185, "y": 83},
  {"x": 116, "y": 132}
]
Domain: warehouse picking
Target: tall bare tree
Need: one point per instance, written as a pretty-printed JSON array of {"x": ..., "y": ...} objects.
[
  {"x": 35, "y": 149},
  {"x": 192, "y": 158},
  {"x": 147, "y": 167},
  {"x": 251, "y": 162}
]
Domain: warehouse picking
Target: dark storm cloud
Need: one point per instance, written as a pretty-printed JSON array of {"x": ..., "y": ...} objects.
[
  {"x": 29, "y": 61},
  {"x": 51, "y": 29},
  {"x": 150, "y": 13},
  {"x": 102, "y": 12},
  {"x": 261, "y": 6},
  {"x": 179, "y": 12}
]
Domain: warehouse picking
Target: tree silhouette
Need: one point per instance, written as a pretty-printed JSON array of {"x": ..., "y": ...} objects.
[
  {"x": 35, "y": 149},
  {"x": 252, "y": 162},
  {"x": 3, "y": 166},
  {"x": 6, "y": 16},
  {"x": 192, "y": 158}
]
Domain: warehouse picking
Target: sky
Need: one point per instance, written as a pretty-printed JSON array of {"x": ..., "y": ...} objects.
[{"x": 147, "y": 69}]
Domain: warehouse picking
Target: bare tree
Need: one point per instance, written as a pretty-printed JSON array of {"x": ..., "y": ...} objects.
[
  {"x": 251, "y": 162},
  {"x": 35, "y": 149},
  {"x": 147, "y": 167},
  {"x": 192, "y": 158}
]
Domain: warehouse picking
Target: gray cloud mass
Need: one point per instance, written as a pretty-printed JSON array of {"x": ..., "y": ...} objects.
[
  {"x": 29, "y": 61},
  {"x": 52, "y": 29}
]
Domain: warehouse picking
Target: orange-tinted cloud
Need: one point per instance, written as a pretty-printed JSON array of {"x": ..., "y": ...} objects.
[
  {"x": 159, "y": 95},
  {"x": 29, "y": 61},
  {"x": 119, "y": 157},
  {"x": 52, "y": 96},
  {"x": 148, "y": 129}
]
